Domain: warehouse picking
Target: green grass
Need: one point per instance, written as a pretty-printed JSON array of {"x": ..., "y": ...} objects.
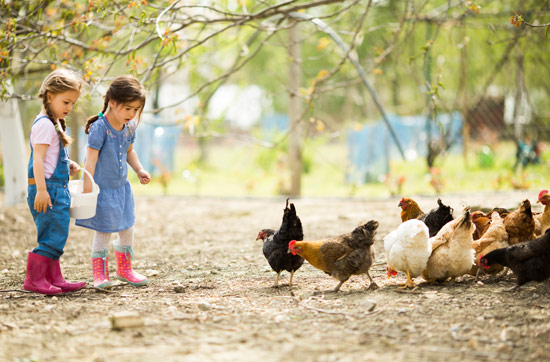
[{"x": 242, "y": 170}]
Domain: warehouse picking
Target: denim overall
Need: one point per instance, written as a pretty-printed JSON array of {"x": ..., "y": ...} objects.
[{"x": 52, "y": 226}]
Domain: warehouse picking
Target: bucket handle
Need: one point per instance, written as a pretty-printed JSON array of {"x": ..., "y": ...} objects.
[{"x": 94, "y": 185}]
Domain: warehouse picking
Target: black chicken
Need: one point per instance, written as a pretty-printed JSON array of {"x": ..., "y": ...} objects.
[
  {"x": 276, "y": 244},
  {"x": 530, "y": 260},
  {"x": 436, "y": 218}
]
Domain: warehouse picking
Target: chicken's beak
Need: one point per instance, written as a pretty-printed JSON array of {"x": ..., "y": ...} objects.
[
  {"x": 539, "y": 202},
  {"x": 288, "y": 251}
]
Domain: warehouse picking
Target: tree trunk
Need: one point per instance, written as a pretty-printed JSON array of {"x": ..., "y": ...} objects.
[
  {"x": 518, "y": 99},
  {"x": 14, "y": 153},
  {"x": 294, "y": 78}
]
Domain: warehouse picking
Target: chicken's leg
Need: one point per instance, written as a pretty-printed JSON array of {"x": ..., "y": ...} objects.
[
  {"x": 276, "y": 285},
  {"x": 338, "y": 286},
  {"x": 410, "y": 282},
  {"x": 291, "y": 275},
  {"x": 372, "y": 285}
]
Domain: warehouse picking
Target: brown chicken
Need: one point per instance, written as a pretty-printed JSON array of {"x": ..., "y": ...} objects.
[
  {"x": 452, "y": 252},
  {"x": 409, "y": 209},
  {"x": 544, "y": 198},
  {"x": 482, "y": 223},
  {"x": 341, "y": 256},
  {"x": 520, "y": 224},
  {"x": 494, "y": 238}
]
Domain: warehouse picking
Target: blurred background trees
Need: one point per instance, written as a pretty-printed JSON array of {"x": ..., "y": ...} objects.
[{"x": 220, "y": 70}]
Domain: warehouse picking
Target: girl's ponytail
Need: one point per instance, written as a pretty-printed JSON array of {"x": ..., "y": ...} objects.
[{"x": 94, "y": 118}]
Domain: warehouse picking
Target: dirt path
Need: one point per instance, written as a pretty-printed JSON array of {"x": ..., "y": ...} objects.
[{"x": 210, "y": 296}]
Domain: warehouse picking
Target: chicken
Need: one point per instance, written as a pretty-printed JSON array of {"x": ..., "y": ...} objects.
[
  {"x": 409, "y": 209},
  {"x": 530, "y": 261},
  {"x": 276, "y": 244},
  {"x": 408, "y": 250},
  {"x": 481, "y": 222},
  {"x": 495, "y": 237},
  {"x": 520, "y": 224},
  {"x": 452, "y": 253},
  {"x": 341, "y": 256},
  {"x": 544, "y": 198},
  {"x": 437, "y": 218}
]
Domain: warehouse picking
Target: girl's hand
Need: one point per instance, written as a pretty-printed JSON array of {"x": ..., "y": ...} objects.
[
  {"x": 42, "y": 201},
  {"x": 74, "y": 168},
  {"x": 144, "y": 177}
]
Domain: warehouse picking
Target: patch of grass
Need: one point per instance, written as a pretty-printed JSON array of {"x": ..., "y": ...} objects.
[{"x": 236, "y": 170}]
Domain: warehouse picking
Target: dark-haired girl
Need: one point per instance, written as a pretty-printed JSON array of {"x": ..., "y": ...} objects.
[{"x": 111, "y": 135}]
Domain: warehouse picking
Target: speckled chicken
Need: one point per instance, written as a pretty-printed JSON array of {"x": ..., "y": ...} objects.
[{"x": 341, "y": 256}]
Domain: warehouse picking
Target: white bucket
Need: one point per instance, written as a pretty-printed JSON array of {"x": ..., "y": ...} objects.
[{"x": 83, "y": 206}]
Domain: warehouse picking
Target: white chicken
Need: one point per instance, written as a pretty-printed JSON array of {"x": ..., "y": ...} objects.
[{"x": 408, "y": 249}]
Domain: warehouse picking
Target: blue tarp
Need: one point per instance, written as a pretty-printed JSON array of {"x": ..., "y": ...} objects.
[
  {"x": 371, "y": 148},
  {"x": 154, "y": 144}
]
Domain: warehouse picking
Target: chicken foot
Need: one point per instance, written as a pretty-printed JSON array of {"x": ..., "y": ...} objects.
[
  {"x": 410, "y": 283},
  {"x": 372, "y": 285}
]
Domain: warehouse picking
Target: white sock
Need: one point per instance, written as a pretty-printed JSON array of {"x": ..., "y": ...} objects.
[
  {"x": 126, "y": 237},
  {"x": 101, "y": 241}
]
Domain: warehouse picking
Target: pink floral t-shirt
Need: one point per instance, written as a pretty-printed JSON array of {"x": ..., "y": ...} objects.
[{"x": 43, "y": 133}]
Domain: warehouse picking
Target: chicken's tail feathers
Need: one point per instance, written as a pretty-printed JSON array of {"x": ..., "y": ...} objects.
[
  {"x": 363, "y": 235},
  {"x": 526, "y": 205},
  {"x": 466, "y": 221}
]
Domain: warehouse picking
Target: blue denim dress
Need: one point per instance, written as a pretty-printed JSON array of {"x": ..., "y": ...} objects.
[
  {"x": 52, "y": 227},
  {"x": 115, "y": 203}
]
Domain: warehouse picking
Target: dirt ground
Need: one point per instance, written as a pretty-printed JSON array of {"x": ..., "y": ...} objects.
[{"x": 210, "y": 296}]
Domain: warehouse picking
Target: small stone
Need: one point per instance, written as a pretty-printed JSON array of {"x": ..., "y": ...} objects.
[
  {"x": 126, "y": 320},
  {"x": 368, "y": 304},
  {"x": 179, "y": 289},
  {"x": 204, "y": 306},
  {"x": 151, "y": 272}
]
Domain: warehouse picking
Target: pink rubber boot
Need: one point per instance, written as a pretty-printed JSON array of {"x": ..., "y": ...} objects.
[
  {"x": 54, "y": 276},
  {"x": 100, "y": 267},
  {"x": 35, "y": 280},
  {"x": 124, "y": 272}
]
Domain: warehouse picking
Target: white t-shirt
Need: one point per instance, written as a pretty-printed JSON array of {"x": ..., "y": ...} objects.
[{"x": 43, "y": 133}]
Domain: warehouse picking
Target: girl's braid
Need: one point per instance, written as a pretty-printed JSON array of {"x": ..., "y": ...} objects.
[
  {"x": 94, "y": 118},
  {"x": 59, "y": 127}
]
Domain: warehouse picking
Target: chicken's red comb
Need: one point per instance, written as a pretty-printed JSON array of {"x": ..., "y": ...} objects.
[
  {"x": 402, "y": 199},
  {"x": 291, "y": 244},
  {"x": 542, "y": 193}
]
